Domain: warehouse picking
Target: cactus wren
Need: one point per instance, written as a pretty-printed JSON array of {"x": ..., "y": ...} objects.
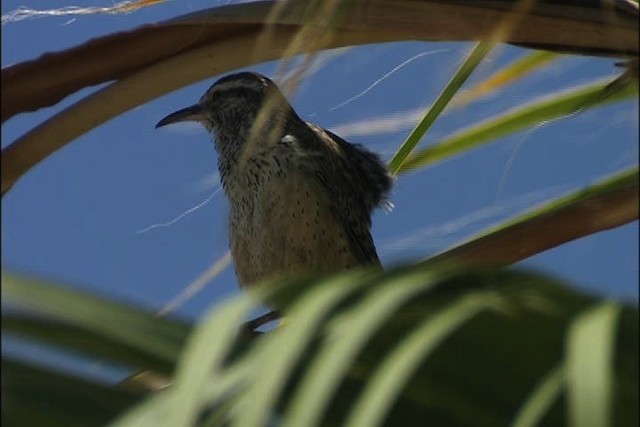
[{"x": 300, "y": 197}]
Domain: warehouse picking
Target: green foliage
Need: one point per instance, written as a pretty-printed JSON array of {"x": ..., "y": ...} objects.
[
  {"x": 441, "y": 343},
  {"x": 33, "y": 396}
]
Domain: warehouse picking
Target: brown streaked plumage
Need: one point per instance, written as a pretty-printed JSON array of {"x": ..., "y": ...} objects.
[{"x": 300, "y": 197}]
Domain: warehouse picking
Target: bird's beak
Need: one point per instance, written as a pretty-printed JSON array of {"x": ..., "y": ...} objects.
[{"x": 195, "y": 113}]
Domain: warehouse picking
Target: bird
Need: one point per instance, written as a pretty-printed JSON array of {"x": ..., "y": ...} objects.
[{"x": 300, "y": 197}]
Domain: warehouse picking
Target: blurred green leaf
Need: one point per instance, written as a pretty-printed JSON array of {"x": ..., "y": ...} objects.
[
  {"x": 138, "y": 330},
  {"x": 204, "y": 354},
  {"x": 34, "y": 396},
  {"x": 590, "y": 370},
  {"x": 287, "y": 344},
  {"x": 332, "y": 362},
  {"x": 539, "y": 402},
  {"x": 388, "y": 381},
  {"x": 88, "y": 341}
]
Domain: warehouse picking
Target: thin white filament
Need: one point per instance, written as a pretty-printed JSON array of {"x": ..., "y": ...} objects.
[
  {"x": 525, "y": 137},
  {"x": 182, "y": 215},
  {"x": 387, "y": 75}
]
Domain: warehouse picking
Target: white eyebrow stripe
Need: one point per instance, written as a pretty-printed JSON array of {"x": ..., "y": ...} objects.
[{"x": 238, "y": 84}]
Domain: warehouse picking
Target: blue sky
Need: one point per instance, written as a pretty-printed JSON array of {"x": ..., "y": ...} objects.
[{"x": 77, "y": 216}]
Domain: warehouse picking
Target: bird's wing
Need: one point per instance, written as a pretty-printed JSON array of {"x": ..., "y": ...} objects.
[{"x": 355, "y": 181}]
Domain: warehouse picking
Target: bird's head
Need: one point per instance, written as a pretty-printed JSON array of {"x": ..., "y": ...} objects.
[
  {"x": 231, "y": 104},
  {"x": 236, "y": 109}
]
